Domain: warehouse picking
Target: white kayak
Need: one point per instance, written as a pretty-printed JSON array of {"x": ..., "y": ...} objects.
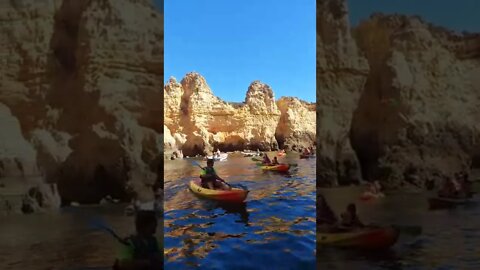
[{"x": 221, "y": 157}]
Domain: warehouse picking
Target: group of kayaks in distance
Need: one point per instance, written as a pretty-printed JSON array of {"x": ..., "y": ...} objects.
[
  {"x": 212, "y": 186},
  {"x": 454, "y": 191}
]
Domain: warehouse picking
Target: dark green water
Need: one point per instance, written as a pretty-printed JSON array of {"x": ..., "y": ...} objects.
[
  {"x": 275, "y": 229},
  {"x": 62, "y": 240},
  {"x": 450, "y": 238}
]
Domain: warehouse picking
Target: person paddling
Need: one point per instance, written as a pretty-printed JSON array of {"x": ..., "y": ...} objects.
[
  {"x": 275, "y": 161},
  {"x": 141, "y": 251},
  {"x": 350, "y": 218},
  {"x": 266, "y": 160},
  {"x": 209, "y": 177},
  {"x": 326, "y": 220}
]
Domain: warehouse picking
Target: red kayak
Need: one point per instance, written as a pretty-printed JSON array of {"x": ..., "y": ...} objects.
[{"x": 366, "y": 238}]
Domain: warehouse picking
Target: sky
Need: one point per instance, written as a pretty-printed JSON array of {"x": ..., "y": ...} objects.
[
  {"x": 460, "y": 15},
  {"x": 232, "y": 43}
]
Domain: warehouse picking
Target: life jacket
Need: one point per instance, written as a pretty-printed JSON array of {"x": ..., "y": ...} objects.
[{"x": 208, "y": 171}]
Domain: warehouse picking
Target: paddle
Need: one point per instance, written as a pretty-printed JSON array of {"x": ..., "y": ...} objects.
[
  {"x": 406, "y": 229},
  {"x": 412, "y": 230},
  {"x": 100, "y": 224},
  {"x": 196, "y": 164}
]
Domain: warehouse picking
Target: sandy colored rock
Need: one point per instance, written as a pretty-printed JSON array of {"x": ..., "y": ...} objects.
[
  {"x": 85, "y": 79},
  {"x": 341, "y": 74},
  {"x": 297, "y": 126},
  {"x": 418, "y": 113},
  {"x": 199, "y": 122},
  {"x": 407, "y": 114}
]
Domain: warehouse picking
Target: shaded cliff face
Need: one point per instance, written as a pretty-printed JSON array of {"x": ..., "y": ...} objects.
[
  {"x": 197, "y": 121},
  {"x": 407, "y": 114},
  {"x": 418, "y": 112},
  {"x": 341, "y": 75},
  {"x": 84, "y": 80}
]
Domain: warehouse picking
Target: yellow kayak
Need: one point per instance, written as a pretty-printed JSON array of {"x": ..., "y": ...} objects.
[
  {"x": 279, "y": 167},
  {"x": 233, "y": 195},
  {"x": 365, "y": 238}
]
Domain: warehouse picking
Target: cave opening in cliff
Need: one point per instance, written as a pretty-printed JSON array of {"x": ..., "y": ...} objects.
[
  {"x": 280, "y": 140},
  {"x": 367, "y": 152}
]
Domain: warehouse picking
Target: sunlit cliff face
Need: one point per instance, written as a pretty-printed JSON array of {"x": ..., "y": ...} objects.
[{"x": 197, "y": 121}]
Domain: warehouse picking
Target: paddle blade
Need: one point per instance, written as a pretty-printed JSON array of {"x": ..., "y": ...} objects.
[{"x": 410, "y": 230}]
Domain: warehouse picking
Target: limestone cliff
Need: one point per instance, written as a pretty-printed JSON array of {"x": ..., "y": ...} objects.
[
  {"x": 197, "y": 121},
  {"x": 84, "y": 80},
  {"x": 419, "y": 109},
  {"x": 297, "y": 126},
  {"x": 341, "y": 74},
  {"x": 410, "y": 113}
]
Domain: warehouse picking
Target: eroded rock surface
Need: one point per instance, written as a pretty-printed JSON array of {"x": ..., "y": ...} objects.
[
  {"x": 84, "y": 80},
  {"x": 198, "y": 121},
  {"x": 409, "y": 112}
]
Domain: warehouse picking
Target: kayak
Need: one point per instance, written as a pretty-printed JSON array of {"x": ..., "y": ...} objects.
[
  {"x": 439, "y": 202},
  {"x": 369, "y": 238},
  {"x": 306, "y": 156},
  {"x": 367, "y": 195},
  {"x": 234, "y": 195},
  {"x": 250, "y": 154},
  {"x": 221, "y": 157},
  {"x": 278, "y": 168}
]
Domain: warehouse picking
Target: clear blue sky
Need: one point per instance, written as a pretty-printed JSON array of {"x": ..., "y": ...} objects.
[
  {"x": 460, "y": 16},
  {"x": 234, "y": 42}
]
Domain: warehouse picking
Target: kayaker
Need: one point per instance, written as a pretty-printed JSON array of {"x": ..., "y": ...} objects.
[
  {"x": 141, "y": 251},
  {"x": 306, "y": 152},
  {"x": 266, "y": 159},
  {"x": 350, "y": 218},
  {"x": 326, "y": 217},
  {"x": 450, "y": 189},
  {"x": 275, "y": 161},
  {"x": 209, "y": 177}
]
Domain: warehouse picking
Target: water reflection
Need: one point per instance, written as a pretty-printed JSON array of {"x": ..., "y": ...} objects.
[
  {"x": 449, "y": 239},
  {"x": 276, "y": 222}
]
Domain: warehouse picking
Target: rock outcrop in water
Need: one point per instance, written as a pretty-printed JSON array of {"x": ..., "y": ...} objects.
[
  {"x": 196, "y": 121},
  {"x": 414, "y": 108},
  {"x": 83, "y": 80}
]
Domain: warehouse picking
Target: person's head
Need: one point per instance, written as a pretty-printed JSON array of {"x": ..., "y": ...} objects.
[
  {"x": 351, "y": 208},
  {"x": 210, "y": 163},
  {"x": 275, "y": 158},
  {"x": 146, "y": 223}
]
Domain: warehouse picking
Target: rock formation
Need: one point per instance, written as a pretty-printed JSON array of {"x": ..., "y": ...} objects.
[
  {"x": 84, "y": 80},
  {"x": 297, "y": 126},
  {"x": 417, "y": 114},
  {"x": 196, "y": 121},
  {"x": 341, "y": 74},
  {"x": 411, "y": 112}
]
